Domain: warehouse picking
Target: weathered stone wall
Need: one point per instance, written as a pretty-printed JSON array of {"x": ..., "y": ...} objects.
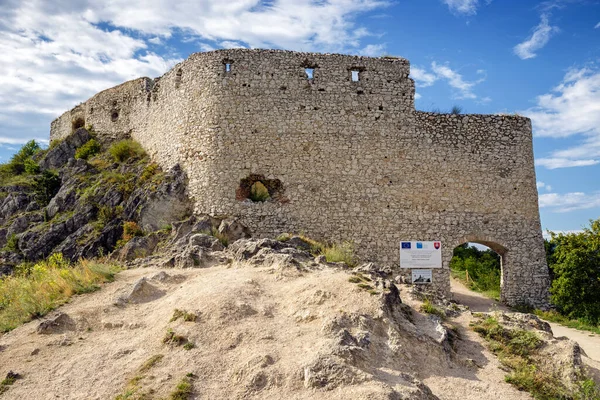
[{"x": 355, "y": 160}]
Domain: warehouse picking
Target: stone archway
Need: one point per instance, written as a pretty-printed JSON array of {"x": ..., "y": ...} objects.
[{"x": 499, "y": 248}]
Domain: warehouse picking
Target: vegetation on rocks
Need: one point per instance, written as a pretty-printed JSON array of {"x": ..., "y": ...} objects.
[
  {"x": 36, "y": 289},
  {"x": 125, "y": 150},
  {"x": 334, "y": 252},
  {"x": 518, "y": 350},
  {"x": 91, "y": 148}
]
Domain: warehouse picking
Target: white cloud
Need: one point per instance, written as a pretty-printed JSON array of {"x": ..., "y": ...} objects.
[
  {"x": 597, "y": 25},
  {"x": 373, "y": 50},
  {"x": 230, "y": 44},
  {"x": 542, "y": 185},
  {"x": 538, "y": 39},
  {"x": 571, "y": 109},
  {"x": 548, "y": 235},
  {"x": 417, "y": 96},
  {"x": 455, "y": 80},
  {"x": 465, "y": 7},
  {"x": 57, "y": 55},
  {"x": 569, "y": 201},
  {"x": 422, "y": 77}
]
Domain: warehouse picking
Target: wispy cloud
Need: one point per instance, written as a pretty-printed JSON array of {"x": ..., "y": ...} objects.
[
  {"x": 538, "y": 39},
  {"x": 464, "y": 7},
  {"x": 456, "y": 81},
  {"x": 548, "y": 234},
  {"x": 597, "y": 25},
  {"x": 542, "y": 185},
  {"x": 373, "y": 50},
  {"x": 569, "y": 201},
  {"x": 422, "y": 77},
  {"x": 571, "y": 109}
]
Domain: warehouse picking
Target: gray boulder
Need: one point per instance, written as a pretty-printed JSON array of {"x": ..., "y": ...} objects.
[{"x": 60, "y": 154}]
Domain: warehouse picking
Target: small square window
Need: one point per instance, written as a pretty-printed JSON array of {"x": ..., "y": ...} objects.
[
  {"x": 310, "y": 73},
  {"x": 227, "y": 67},
  {"x": 355, "y": 75}
]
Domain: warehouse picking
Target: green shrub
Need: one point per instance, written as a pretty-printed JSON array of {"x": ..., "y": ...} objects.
[
  {"x": 12, "y": 244},
  {"x": 183, "y": 390},
  {"x": 130, "y": 230},
  {"x": 573, "y": 260},
  {"x": 186, "y": 316},
  {"x": 89, "y": 149},
  {"x": 343, "y": 252},
  {"x": 125, "y": 150},
  {"x": 45, "y": 186},
  {"x": 259, "y": 192},
  {"x": 31, "y": 167},
  {"x": 429, "y": 308}
]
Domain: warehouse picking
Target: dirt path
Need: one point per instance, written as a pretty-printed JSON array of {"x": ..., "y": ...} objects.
[{"x": 589, "y": 342}]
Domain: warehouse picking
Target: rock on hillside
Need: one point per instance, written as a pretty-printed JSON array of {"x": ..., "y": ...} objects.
[
  {"x": 84, "y": 214},
  {"x": 265, "y": 321}
]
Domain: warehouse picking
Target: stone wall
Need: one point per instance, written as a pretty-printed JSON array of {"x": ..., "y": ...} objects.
[{"x": 352, "y": 160}]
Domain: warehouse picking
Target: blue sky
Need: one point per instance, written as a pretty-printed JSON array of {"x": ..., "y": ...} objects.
[{"x": 535, "y": 58}]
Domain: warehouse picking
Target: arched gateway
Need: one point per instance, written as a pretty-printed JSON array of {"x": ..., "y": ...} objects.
[{"x": 352, "y": 158}]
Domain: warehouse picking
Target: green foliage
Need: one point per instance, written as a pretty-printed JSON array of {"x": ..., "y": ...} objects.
[
  {"x": 259, "y": 192},
  {"x": 574, "y": 260},
  {"x": 173, "y": 339},
  {"x": 42, "y": 287},
  {"x": 483, "y": 268},
  {"x": 340, "y": 252},
  {"x": 186, "y": 316},
  {"x": 183, "y": 390},
  {"x": 214, "y": 232},
  {"x": 429, "y": 308},
  {"x": 150, "y": 363},
  {"x": 12, "y": 244},
  {"x": 20, "y": 166},
  {"x": 89, "y": 149},
  {"x": 130, "y": 230},
  {"x": 45, "y": 186},
  {"x": 125, "y": 150}
]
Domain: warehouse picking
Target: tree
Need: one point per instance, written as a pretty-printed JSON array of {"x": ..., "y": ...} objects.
[{"x": 575, "y": 263}]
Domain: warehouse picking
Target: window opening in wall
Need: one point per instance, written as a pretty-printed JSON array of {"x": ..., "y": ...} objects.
[
  {"x": 355, "y": 75},
  {"x": 114, "y": 116},
  {"x": 310, "y": 73},
  {"x": 227, "y": 67},
  {"x": 258, "y": 188}
]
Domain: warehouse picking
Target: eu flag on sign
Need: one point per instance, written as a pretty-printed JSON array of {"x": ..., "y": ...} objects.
[{"x": 406, "y": 245}]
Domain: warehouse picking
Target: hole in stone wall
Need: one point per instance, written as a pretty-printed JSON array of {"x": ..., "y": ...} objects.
[
  {"x": 257, "y": 188},
  {"x": 77, "y": 123},
  {"x": 310, "y": 73},
  {"x": 178, "y": 76},
  {"x": 227, "y": 66},
  {"x": 355, "y": 75},
  {"x": 114, "y": 116}
]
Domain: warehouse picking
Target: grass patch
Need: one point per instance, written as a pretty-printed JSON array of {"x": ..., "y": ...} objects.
[
  {"x": 173, "y": 339},
  {"x": 183, "y": 390},
  {"x": 43, "y": 286},
  {"x": 12, "y": 244},
  {"x": 89, "y": 149},
  {"x": 336, "y": 252},
  {"x": 214, "y": 232},
  {"x": 554, "y": 316},
  {"x": 150, "y": 363},
  {"x": 133, "y": 391},
  {"x": 429, "y": 308},
  {"x": 10, "y": 379},
  {"x": 517, "y": 349},
  {"x": 126, "y": 150},
  {"x": 186, "y": 316}
]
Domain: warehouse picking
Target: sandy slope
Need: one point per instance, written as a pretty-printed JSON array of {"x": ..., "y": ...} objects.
[{"x": 262, "y": 332}]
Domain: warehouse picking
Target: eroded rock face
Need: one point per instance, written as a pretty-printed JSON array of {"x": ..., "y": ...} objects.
[
  {"x": 65, "y": 150},
  {"x": 142, "y": 292},
  {"x": 58, "y": 323}
]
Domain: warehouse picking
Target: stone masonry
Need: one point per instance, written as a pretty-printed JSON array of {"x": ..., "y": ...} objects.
[{"x": 345, "y": 154}]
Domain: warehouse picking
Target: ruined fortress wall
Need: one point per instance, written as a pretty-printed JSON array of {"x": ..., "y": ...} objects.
[{"x": 355, "y": 160}]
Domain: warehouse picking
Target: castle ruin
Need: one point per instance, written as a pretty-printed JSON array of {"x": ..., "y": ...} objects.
[{"x": 337, "y": 141}]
